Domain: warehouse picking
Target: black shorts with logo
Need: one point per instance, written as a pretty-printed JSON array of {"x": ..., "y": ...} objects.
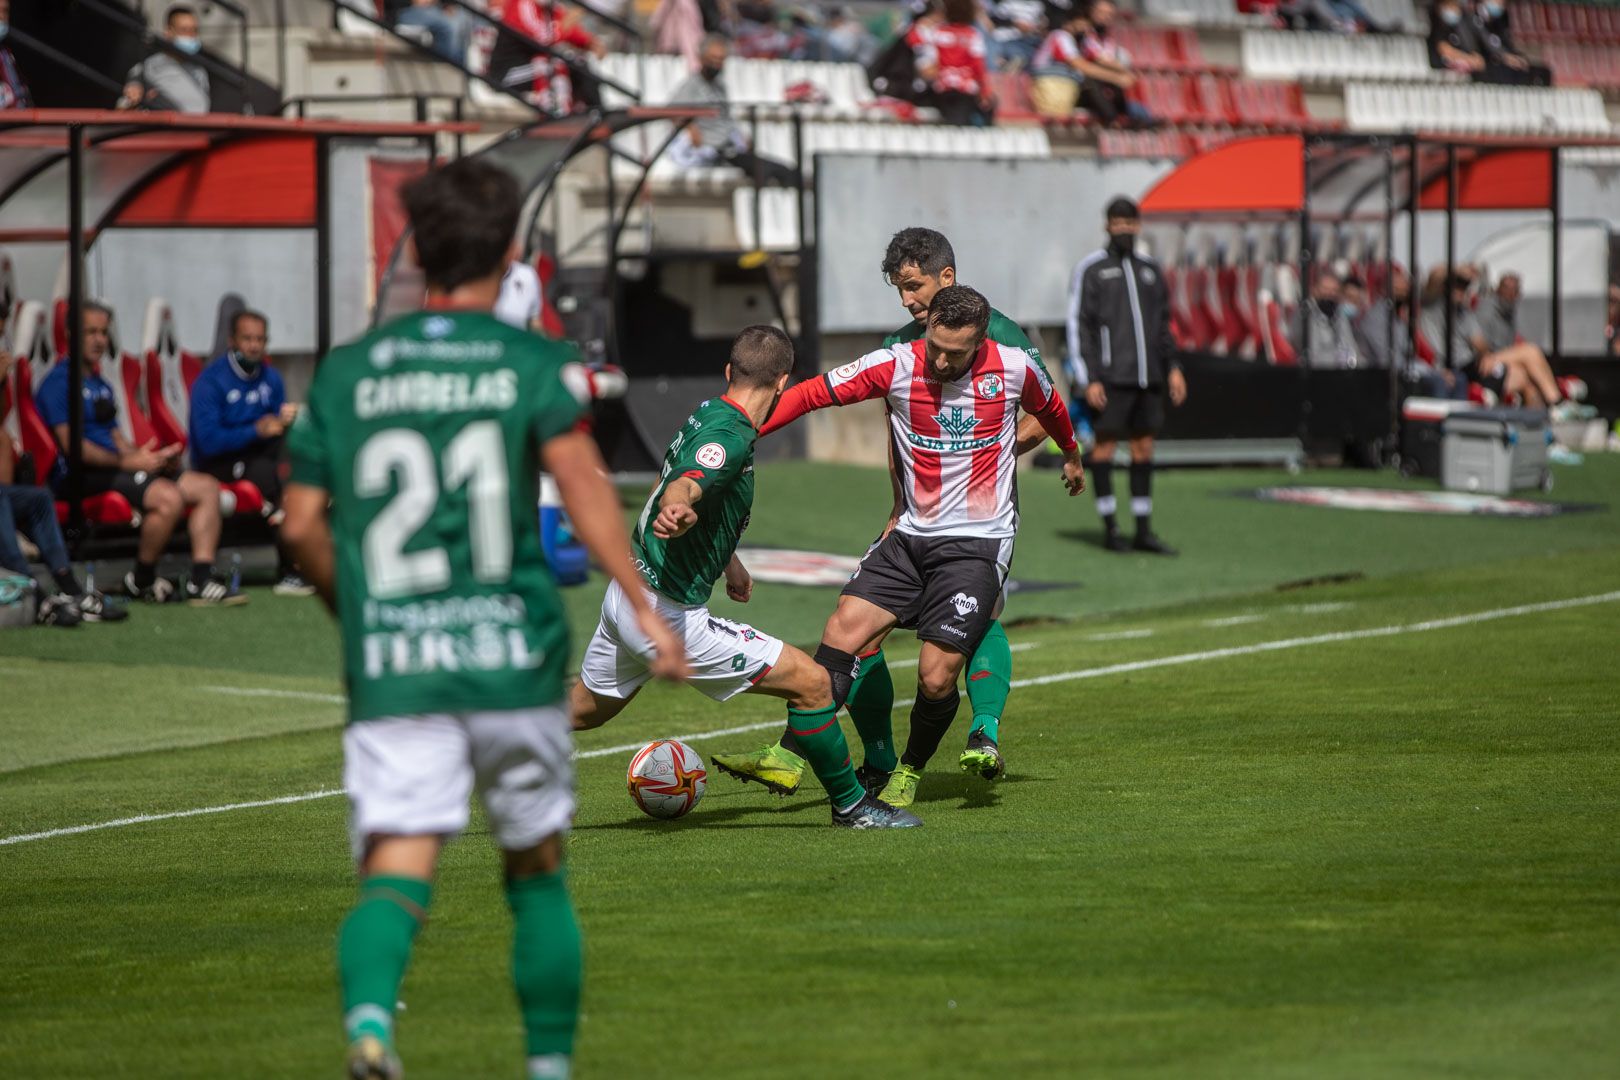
[
  {"x": 258, "y": 463},
  {"x": 943, "y": 587},
  {"x": 132, "y": 486},
  {"x": 1131, "y": 410}
]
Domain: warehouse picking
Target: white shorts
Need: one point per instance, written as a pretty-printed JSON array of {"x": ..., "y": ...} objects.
[
  {"x": 726, "y": 657},
  {"x": 413, "y": 775}
]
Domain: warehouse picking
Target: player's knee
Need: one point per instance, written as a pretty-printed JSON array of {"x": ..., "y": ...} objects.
[
  {"x": 936, "y": 677},
  {"x": 546, "y": 857},
  {"x": 202, "y": 490},
  {"x": 163, "y": 499}
]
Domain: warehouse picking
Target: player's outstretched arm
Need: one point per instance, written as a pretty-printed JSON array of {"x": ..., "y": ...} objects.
[
  {"x": 593, "y": 506},
  {"x": 861, "y": 380},
  {"x": 308, "y": 537}
]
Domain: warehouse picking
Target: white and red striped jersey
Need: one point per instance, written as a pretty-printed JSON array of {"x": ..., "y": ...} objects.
[{"x": 955, "y": 443}]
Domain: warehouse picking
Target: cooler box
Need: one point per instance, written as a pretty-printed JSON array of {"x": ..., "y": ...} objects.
[
  {"x": 1422, "y": 419},
  {"x": 570, "y": 563},
  {"x": 1495, "y": 451}
]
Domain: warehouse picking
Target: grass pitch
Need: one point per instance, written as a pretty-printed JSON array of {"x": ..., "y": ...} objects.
[{"x": 1386, "y": 849}]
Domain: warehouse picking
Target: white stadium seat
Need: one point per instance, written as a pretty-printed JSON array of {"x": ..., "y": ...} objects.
[
  {"x": 1497, "y": 110},
  {"x": 1278, "y": 54}
]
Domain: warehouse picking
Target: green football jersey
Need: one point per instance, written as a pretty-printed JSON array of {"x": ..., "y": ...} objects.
[
  {"x": 427, "y": 434},
  {"x": 1003, "y": 331},
  {"x": 714, "y": 448}
]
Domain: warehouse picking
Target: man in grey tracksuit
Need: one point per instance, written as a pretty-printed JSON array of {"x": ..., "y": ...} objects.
[{"x": 1123, "y": 356}]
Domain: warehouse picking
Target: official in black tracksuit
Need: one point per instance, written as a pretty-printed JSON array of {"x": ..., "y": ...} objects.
[{"x": 1122, "y": 354}]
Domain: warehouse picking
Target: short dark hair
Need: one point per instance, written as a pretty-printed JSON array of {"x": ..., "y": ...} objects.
[
  {"x": 760, "y": 356},
  {"x": 463, "y": 218},
  {"x": 247, "y": 313},
  {"x": 956, "y": 306},
  {"x": 925, "y": 249},
  {"x": 1123, "y": 208},
  {"x": 176, "y": 11}
]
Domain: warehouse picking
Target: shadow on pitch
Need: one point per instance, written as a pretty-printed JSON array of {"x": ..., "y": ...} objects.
[
  {"x": 756, "y": 814},
  {"x": 971, "y": 792},
  {"x": 1094, "y": 537}
]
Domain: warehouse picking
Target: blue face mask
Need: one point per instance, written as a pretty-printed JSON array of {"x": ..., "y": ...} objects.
[
  {"x": 1493, "y": 10},
  {"x": 5, "y": 28},
  {"x": 1451, "y": 17},
  {"x": 188, "y": 45}
]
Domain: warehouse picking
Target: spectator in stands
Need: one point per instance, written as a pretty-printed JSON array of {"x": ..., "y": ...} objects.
[
  {"x": 13, "y": 91},
  {"x": 1493, "y": 17},
  {"x": 1519, "y": 370},
  {"x": 1332, "y": 341},
  {"x": 1059, "y": 69},
  {"x": 718, "y": 140},
  {"x": 679, "y": 26},
  {"x": 1108, "y": 74},
  {"x": 1331, "y": 16},
  {"x": 1017, "y": 28},
  {"x": 950, "y": 57},
  {"x": 239, "y": 413},
  {"x": 446, "y": 24},
  {"x": 149, "y": 477},
  {"x": 846, "y": 40},
  {"x": 169, "y": 80},
  {"x": 1498, "y": 314},
  {"x": 31, "y": 510},
  {"x": 555, "y": 84},
  {"x": 1457, "y": 42}
]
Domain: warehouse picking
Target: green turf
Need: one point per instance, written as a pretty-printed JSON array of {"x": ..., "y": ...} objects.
[{"x": 1382, "y": 856}]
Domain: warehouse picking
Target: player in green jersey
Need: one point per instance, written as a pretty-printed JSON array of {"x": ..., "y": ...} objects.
[
  {"x": 413, "y": 511},
  {"x": 918, "y": 263},
  {"x": 685, "y": 541}
]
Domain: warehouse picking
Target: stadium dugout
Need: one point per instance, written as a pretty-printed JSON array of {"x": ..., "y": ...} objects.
[
  {"x": 1309, "y": 187},
  {"x": 71, "y": 181}
]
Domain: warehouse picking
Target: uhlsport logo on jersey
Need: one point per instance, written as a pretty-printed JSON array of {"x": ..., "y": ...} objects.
[
  {"x": 437, "y": 326},
  {"x": 711, "y": 455},
  {"x": 990, "y": 386},
  {"x": 964, "y": 604},
  {"x": 955, "y": 425}
]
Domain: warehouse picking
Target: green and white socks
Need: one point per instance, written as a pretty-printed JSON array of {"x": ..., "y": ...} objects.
[
  {"x": 374, "y": 947},
  {"x": 989, "y": 680}
]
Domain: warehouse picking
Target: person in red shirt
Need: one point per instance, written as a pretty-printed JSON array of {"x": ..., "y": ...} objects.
[
  {"x": 556, "y": 86},
  {"x": 951, "y": 57}
]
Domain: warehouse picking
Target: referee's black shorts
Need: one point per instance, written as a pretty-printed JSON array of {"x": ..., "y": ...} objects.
[
  {"x": 1130, "y": 411},
  {"x": 944, "y": 587}
]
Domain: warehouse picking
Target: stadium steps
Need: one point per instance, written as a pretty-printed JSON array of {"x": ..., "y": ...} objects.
[{"x": 1328, "y": 58}]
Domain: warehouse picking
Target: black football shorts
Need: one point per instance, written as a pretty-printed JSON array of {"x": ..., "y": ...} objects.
[
  {"x": 944, "y": 587},
  {"x": 1131, "y": 411}
]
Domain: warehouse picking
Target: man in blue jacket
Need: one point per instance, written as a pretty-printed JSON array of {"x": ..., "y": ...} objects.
[{"x": 239, "y": 413}]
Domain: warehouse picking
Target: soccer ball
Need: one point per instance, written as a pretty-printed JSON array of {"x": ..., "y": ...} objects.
[{"x": 666, "y": 778}]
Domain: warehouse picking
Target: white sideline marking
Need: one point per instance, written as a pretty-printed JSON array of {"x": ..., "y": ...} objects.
[
  {"x": 1120, "y": 635},
  {"x": 297, "y": 695},
  {"x": 1234, "y": 620},
  {"x": 1039, "y": 680}
]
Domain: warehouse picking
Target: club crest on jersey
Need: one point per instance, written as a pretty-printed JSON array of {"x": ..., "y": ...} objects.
[
  {"x": 964, "y": 604},
  {"x": 990, "y": 386},
  {"x": 711, "y": 455}
]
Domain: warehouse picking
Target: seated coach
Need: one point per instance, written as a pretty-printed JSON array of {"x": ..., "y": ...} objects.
[
  {"x": 239, "y": 413},
  {"x": 149, "y": 476}
]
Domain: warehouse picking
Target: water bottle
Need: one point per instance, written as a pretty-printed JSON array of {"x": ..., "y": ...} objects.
[{"x": 90, "y": 578}]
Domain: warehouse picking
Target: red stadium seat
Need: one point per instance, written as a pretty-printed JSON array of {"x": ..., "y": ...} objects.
[
  {"x": 1274, "y": 332},
  {"x": 37, "y": 439},
  {"x": 1234, "y": 331}
]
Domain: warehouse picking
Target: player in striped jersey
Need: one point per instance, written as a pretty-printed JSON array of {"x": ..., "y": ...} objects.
[
  {"x": 953, "y": 401},
  {"x": 918, "y": 263}
]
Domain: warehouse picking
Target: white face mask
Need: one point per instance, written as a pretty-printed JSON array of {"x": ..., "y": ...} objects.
[{"x": 188, "y": 45}]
